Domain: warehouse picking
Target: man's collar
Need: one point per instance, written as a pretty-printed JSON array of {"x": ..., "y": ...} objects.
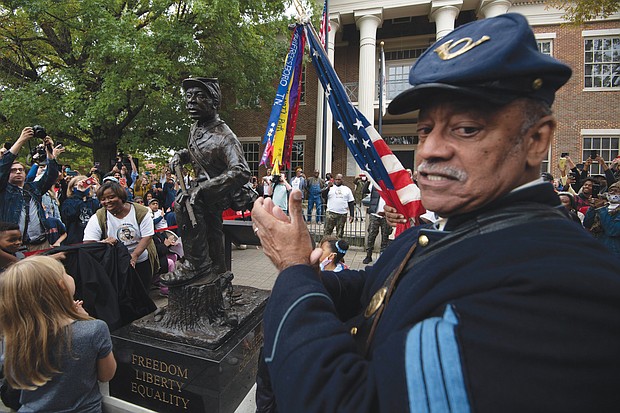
[{"x": 535, "y": 191}]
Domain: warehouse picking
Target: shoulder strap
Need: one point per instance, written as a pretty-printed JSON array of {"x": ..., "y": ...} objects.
[
  {"x": 141, "y": 212},
  {"x": 503, "y": 218},
  {"x": 102, "y": 218},
  {"x": 510, "y": 216}
]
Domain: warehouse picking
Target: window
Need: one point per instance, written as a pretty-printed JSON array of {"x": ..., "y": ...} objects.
[
  {"x": 602, "y": 62},
  {"x": 302, "y": 92},
  {"x": 297, "y": 155},
  {"x": 545, "y": 47},
  {"x": 397, "y": 78},
  {"x": 252, "y": 153},
  {"x": 397, "y": 66},
  {"x": 607, "y": 147},
  {"x": 544, "y": 166}
]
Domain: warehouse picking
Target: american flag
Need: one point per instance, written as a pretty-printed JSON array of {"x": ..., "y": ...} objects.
[
  {"x": 370, "y": 151},
  {"x": 324, "y": 29}
]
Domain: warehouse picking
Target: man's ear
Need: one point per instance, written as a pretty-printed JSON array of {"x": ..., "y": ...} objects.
[{"x": 538, "y": 140}]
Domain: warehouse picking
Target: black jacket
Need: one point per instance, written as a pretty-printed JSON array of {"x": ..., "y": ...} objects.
[{"x": 105, "y": 284}]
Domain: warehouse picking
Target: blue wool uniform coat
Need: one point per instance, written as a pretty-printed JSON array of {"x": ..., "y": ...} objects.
[{"x": 521, "y": 319}]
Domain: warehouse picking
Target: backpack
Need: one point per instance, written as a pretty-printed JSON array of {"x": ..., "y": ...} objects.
[{"x": 141, "y": 213}]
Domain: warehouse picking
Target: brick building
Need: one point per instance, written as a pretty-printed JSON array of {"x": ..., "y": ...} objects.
[{"x": 587, "y": 108}]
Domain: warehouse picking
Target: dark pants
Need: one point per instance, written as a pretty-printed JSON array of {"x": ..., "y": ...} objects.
[
  {"x": 265, "y": 399},
  {"x": 332, "y": 220},
  {"x": 375, "y": 224}
]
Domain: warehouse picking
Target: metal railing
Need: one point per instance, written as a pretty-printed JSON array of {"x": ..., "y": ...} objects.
[{"x": 354, "y": 232}]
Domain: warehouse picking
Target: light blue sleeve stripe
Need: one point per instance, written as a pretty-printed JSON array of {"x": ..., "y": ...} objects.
[
  {"x": 433, "y": 367},
  {"x": 288, "y": 311}
]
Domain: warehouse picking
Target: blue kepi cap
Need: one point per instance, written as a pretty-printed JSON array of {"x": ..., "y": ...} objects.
[{"x": 495, "y": 59}]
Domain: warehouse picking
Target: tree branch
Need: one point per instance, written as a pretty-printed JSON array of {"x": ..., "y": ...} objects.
[
  {"x": 131, "y": 114},
  {"x": 73, "y": 138},
  {"x": 12, "y": 68}
]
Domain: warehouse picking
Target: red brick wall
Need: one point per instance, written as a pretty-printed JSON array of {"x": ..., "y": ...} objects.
[{"x": 575, "y": 108}]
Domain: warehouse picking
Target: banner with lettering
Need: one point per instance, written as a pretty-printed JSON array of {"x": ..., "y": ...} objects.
[{"x": 280, "y": 131}]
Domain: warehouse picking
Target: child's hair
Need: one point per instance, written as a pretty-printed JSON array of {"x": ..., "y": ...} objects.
[
  {"x": 8, "y": 226},
  {"x": 73, "y": 182},
  {"x": 34, "y": 308},
  {"x": 339, "y": 246}
]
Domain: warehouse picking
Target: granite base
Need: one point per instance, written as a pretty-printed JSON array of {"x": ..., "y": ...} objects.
[{"x": 173, "y": 376}]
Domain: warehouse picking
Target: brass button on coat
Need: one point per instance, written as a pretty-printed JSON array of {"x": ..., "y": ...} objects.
[
  {"x": 354, "y": 331},
  {"x": 423, "y": 240},
  {"x": 375, "y": 302}
]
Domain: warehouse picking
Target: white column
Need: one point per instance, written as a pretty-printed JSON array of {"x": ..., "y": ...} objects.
[
  {"x": 319, "y": 154},
  {"x": 368, "y": 21},
  {"x": 492, "y": 8},
  {"x": 444, "y": 13}
]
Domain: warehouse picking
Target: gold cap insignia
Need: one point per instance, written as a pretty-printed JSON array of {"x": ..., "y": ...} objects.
[
  {"x": 445, "y": 50},
  {"x": 537, "y": 83}
]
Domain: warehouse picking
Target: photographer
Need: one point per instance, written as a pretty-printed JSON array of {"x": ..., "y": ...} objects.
[
  {"x": 603, "y": 219},
  {"x": 20, "y": 200},
  {"x": 130, "y": 177},
  {"x": 79, "y": 207}
]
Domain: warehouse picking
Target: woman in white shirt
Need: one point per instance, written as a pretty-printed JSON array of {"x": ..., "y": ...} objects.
[{"x": 125, "y": 222}]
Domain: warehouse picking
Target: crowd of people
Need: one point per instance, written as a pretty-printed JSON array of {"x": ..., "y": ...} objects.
[
  {"x": 54, "y": 205},
  {"x": 591, "y": 200}
]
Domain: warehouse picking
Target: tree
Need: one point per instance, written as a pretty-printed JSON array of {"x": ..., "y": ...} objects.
[
  {"x": 104, "y": 73},
  {"x": 582, "y": 11}
]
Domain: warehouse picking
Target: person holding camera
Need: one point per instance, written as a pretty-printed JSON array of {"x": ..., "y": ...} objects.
[
  {"x": 280, "y": 188},
  {"x": 20, "y": 200},
  {"x": 603, "y": 218},
  {"x": 79, "y": 206}
]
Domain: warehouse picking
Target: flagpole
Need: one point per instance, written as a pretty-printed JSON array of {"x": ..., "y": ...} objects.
[
  {"x": 325, "y": 103},
  {"x": 381, "y": 74}
]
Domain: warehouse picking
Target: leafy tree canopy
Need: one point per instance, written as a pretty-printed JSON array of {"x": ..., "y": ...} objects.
[
  {"x": 582, "y": 11},
  {"x": 104, "y": 74}
]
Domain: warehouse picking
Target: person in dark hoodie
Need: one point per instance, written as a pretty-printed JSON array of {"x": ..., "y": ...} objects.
[{"x": 79, "y": 206}]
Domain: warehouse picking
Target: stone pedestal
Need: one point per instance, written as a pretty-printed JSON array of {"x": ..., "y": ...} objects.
[{"x": 169, "y": 374}]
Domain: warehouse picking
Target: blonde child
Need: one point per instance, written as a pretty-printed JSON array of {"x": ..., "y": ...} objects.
[{"x": 54, "y": 351}]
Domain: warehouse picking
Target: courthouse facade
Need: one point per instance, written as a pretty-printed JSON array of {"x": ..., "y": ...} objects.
[{"x": 588, "y": 107}]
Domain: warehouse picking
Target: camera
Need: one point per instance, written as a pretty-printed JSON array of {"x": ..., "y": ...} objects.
[
  {"x": 39, "y": 132},
  {"x": 564, "y": 154}
]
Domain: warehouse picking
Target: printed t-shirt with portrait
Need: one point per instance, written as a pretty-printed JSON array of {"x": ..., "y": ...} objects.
[
  {"x": 338, "y": 199},
  {"x": 126, "y": 230}
]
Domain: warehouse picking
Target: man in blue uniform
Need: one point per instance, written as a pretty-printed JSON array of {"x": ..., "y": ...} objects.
[{"x": 504, "y": 305}]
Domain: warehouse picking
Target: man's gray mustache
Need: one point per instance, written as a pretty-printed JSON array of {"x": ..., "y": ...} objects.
[{"x": 437, "y": 169}]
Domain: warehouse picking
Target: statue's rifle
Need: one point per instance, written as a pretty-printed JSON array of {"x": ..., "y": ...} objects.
[{"x": 185, "y": 195}]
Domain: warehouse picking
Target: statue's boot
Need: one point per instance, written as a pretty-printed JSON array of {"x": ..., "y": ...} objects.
[{"x": 187, "y": 272}]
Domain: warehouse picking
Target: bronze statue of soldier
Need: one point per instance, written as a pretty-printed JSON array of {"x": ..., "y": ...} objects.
[{"x": 221, "y": 173}]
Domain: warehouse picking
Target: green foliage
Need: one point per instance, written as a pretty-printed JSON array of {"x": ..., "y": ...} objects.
[
  {"x": 107, "y": 73},
  {"x": 583, "y": 11}
]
